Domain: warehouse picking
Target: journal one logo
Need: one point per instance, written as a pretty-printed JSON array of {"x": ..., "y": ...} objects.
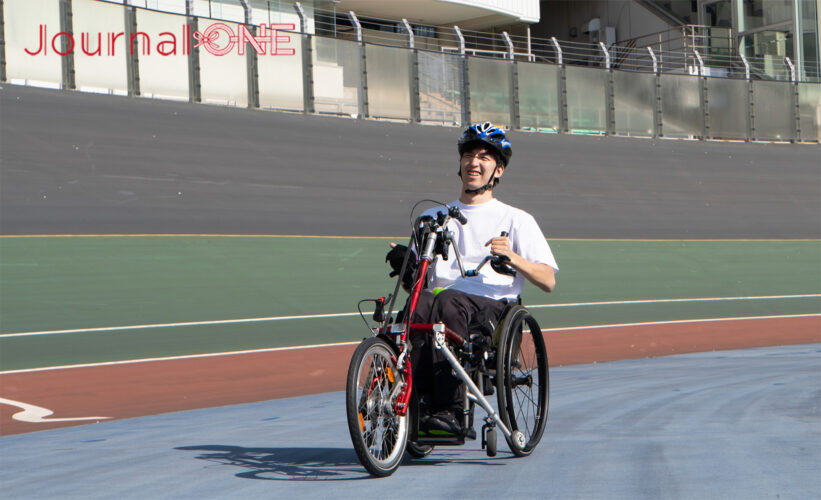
[{"x": 218, "y": 39}]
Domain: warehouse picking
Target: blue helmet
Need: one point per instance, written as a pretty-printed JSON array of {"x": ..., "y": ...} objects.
[{"x": 487, "y": 134}]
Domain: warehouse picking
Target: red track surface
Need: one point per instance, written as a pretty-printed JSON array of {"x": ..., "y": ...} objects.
[{"x": 148, "y": 388}]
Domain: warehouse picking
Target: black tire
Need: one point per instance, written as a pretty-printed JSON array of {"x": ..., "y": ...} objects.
[
  {"x": 378, "y": 434},
  {"x": 522, "y": 380},
  {"x": 419, "y": 450}
]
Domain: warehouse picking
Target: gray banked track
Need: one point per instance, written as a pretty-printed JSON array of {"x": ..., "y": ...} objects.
[{"x": 82, "y": 163}]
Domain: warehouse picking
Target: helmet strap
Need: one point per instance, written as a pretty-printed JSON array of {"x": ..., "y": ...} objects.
[{"x": 484, "y": 188}]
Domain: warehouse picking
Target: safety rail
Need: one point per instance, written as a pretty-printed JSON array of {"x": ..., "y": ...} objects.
[{"x": 396, "y": 70}]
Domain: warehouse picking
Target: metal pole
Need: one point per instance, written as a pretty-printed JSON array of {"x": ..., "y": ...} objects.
[
  {"x": 657, "y": 117},
  {"x": 796, "y": 111},
  {"x": 465, "y": 79},
  {"x": 307, "y": 62},
  {"x": 194, "y": 84},
  {"x": 67, "y": 61},
  {"x": 413, "y": 75},
  {"x": 132, "y": 53},
  {"x": 514, "y": 82},
  {"x": 609, "y": 104},
  {"x": 562, "y": 88},
  {"x": 508, "y": 44},
  {"x": 702, "y": 90},
  {"x": 749, "y": 114},
  {"x": 251, "y": 60},
  {"x": 362, "y": 88},
  {"x": 530, "y": 56},
  {"x": 356, "y": 25}
]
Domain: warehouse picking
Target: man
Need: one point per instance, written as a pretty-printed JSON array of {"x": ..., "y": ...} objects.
[{"x": 484, "y": 153}]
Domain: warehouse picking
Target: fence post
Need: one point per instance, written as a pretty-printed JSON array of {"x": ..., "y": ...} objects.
[
  {"x": 2, "y": 44},
  {"x": 702, "y": 93},
  {"x": 194, "y": 85},
  {"x": 67, "y": 60},
  {"x": 563, "y": 122},
  {"x": 465, "y": 79},
  {"x": 609, "y": 101},
  {"x": 514, "y": 83},
  {"x": 656, "y": 96},
  {"x": 796, "y": 126},
  {"x": 251, "y": 60},
  {"x": 749, "y": 114},
  {"x": 362, "y": 88},
  {"x": 413, "y": 75},
  {"x": 307, "y": 62},
  {"x": 132, "y": 52}
]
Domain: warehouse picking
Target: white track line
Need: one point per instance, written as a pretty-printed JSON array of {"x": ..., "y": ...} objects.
[
  {"x": 274, "y": 349},
  {"x": 340, "y": 315}
]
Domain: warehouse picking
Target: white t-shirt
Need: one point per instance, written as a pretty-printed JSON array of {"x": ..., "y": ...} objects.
[{"x": 486, "y": 221}]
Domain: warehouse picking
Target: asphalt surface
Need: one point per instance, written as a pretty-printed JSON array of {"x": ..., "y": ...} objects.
[
  {"x": 74, "y": 163},
  {"x": 731, "y": 425}
]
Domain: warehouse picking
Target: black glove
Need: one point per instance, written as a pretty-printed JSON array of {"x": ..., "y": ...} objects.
[{"x": 395, "y": 257}]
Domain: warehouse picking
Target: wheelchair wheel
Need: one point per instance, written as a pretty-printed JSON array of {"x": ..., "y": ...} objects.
[
  {"x": 522, "y": 380},
  {"x": 378, "y": 434}
]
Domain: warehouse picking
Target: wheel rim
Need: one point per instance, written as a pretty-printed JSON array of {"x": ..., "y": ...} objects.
[
  {"x": 381, "y": 429},
  {"x": 527, "y": 379}
]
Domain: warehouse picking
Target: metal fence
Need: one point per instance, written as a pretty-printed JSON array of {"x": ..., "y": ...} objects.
[{"x": 408, "y": 73}]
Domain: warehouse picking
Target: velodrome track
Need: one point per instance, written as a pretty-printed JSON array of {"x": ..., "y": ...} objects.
[
  {"x": 729, "y": 424},
  {"x": 85, "y": 164}
]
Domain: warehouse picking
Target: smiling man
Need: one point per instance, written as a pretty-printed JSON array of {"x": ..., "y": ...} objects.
[{"x": 493, "y": 228}]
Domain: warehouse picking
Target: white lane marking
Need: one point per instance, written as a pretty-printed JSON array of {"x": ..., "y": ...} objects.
[
  {"x": 39, "y": 415},
  {"x": 318, "y": 346},
  {"x": 340, "y": 315}
]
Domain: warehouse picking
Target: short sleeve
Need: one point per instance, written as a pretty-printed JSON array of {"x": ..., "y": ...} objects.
[{"x": 530, "y": 243}]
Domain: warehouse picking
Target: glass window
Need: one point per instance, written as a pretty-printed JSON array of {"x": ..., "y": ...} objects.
[
  {"x": 100, "y": 58},
  {"x": 223, "y": 78},
  {"x": 164, "y": 70},
  {"x": 809, "y": 105},
  {"x": 337, "y": 76},
  {"x": 280, "y": 76},
  {"x": 538, "y": 96},
  {"x": 30, "y": 26},
  {"x": 727, "y": 103},
  {"x": 586, "y": 88},
  {"x": 489, "y": 81},
  {"x": 634, "y": 100},
  {"x": 440, "y": 87},
  {"x": 759, "y": 13},
  {"x": 773, "y": 115},
  {"x": 388, "y": 82},
  {"x": 680, "y": 106}
]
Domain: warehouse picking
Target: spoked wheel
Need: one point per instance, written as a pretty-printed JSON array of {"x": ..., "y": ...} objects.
[
  {"x": 379, "y": 435},
  {"x": 522, "y": 380}
]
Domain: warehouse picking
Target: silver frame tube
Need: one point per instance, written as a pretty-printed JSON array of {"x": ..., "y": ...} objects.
[{"x": 439, "y": 335}]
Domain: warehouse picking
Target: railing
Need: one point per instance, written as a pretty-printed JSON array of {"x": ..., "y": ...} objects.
[{"x": 450, "y": 76}]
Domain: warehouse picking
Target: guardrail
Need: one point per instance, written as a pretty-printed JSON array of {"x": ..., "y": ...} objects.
[{"x": 437, "y": 75}]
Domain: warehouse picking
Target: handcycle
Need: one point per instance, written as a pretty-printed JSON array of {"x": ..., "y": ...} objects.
[{"x": 383, "y": 410}]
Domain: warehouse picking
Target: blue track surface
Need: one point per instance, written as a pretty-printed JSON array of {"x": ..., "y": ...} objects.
[{"x": 732, "y": 424}]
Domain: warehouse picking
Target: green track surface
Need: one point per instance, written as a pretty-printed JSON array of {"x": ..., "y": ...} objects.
[{"x": 60, "y": 283}]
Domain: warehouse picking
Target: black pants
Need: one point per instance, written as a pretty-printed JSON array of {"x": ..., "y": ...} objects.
[{"x": 432, "y": 374}]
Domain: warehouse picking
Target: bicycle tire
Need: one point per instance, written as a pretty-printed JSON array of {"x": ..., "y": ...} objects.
[{"x": 378, "y": 434}]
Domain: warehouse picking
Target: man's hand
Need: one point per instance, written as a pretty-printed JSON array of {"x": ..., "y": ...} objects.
[
  {"x": 540, "y": 275},
  {"x": 500, "y": 245}
]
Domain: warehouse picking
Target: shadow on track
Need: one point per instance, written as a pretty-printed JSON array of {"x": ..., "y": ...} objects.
[
  {"x": 310, "y": 464},
  {"x": 306, "y": 464}
]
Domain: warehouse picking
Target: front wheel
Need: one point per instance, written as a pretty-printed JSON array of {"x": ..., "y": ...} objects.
[
  {"x": 378, "y": 434},
  {"x": 522, "y": 380}
]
